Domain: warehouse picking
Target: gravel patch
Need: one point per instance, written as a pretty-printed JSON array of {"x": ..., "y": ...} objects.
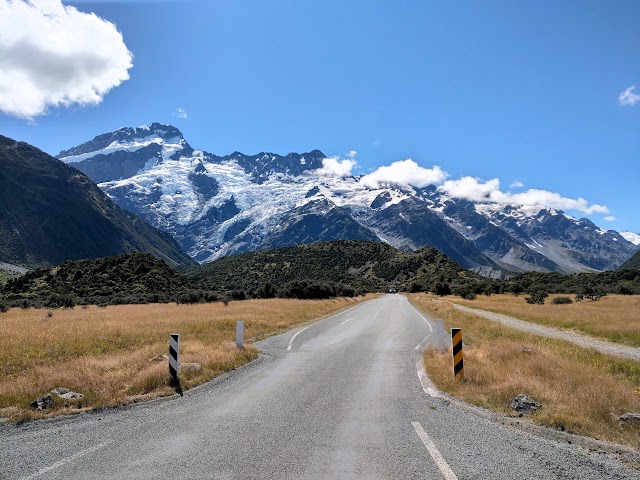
[{"x": 588, "y": 342}]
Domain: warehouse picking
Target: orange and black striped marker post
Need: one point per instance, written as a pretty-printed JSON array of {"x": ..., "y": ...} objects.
[{"x": 458, "y": 363}]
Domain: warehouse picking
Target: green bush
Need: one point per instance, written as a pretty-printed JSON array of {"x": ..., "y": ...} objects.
[{"x": 561, "y": 301}]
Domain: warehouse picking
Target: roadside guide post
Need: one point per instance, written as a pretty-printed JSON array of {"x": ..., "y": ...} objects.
[
  {"x": 458, "y": 363},
  {"x": 240, "y": 334}
]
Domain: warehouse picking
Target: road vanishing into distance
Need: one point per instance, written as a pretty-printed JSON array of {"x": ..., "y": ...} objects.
[{"x": 339, "y": 398}]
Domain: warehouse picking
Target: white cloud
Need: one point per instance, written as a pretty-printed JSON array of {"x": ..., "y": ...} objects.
[
  {"x": 54, "y": 55},
  {"x": 473, "y": 189},
  {"x": 610, "y": 218},
  {"x": 377, "y": 142},
  {"x": 629, "y": 97},
  {"x": 516, "y": 184},
  {"x": 404, "y": 172},
  {"x": 334, "y": 167},
  {"x": 181, "y": 113}
]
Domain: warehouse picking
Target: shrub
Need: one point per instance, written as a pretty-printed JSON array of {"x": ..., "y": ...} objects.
[
  {"x": 536, "y": 298},
  {"x": 561, "y": 301}
]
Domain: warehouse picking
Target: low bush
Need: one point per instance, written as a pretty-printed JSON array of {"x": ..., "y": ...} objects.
[{"x": 561, "y": 301}]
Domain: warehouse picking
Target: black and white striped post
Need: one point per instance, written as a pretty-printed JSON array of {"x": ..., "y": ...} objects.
[
  {"x": 458, "y": 362},
  {"x": 174, "y": 354}
]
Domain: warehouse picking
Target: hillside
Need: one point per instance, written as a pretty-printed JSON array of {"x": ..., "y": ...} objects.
[
  {"x": 371, "y": 266},
  {"x": 632, "y": 263},
  {"x": 51, "y": 212},
  {"x": 129, "y": 278}
]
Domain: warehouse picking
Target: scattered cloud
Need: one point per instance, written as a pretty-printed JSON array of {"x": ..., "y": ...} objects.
[
  {"x": 54, "y": 55},
  {"x": 610, "y": 218},
  {"x": 516, "y": 184},
  {"x": 334, "y": 167},
  {"x": 377, "y": 142},
  {"x": 473, "y": 189},
  {"x": 404, "y": 172},
  {"x": 629, "y": 97},
  {"x": 181, "y": 113}
]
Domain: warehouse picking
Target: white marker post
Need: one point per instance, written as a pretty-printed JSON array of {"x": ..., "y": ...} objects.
[
  {"x": 442, "y": 343},
  {"x": 240, "y": 334},
  {"x": 174, "y": 354}
]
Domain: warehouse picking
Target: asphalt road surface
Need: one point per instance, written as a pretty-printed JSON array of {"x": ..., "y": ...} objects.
[{"x": 339, "y": 398}]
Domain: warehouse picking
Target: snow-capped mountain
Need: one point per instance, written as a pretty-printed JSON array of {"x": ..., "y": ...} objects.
[
  {"x": 632, "y": 237},
  {"x": 216, "y": 206}
]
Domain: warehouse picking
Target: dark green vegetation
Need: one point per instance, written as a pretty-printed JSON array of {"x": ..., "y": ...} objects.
[
  {"x": 50, "y": 212},
  {"x": 128, "y": 278},
  {"x": 318, "y": 270},
  {"x": 633, "y": 263},
  {"x": 351, "y": 265}
]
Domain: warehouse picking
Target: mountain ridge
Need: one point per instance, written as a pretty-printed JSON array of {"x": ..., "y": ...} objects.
[
  {"x": 51, "y": 212},
  {"x": 220, "y": 205}
]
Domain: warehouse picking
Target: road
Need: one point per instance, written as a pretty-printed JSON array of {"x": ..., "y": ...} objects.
[{"x": 339, "y": 399}]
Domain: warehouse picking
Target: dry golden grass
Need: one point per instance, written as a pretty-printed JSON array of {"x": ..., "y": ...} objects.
[
  {"x": 581, "y": 391},
  {"x": 614, "y": 317},
  {"x": 105, "y": 353}
]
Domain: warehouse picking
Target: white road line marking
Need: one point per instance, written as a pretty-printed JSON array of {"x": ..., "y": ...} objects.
[
  {"x": 428, "y": 387},
  {"x": 421, "y": 316},
  {"x": 422, "y": 341},
  {"x": 70, "y": 459},
  {"x": 433, "y": 451},
  {"x": 348, "y": 319},
  {"x": 333, "y": 316},
  {"x": 294, "y": 337}
]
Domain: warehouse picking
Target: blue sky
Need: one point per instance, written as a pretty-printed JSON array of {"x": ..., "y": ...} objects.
[{"x": 520, "y": 91}]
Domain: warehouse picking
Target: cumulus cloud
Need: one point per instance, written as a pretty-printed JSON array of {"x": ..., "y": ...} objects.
[
  {"x": 54, "y": 55},
  {"x": 516, "y": 184},
  {"x": 610, "y": 218},
  {"x": 181, "y": 113},
  {"x": 334, "y": 167},
  {"x": 470, "y": 188},
  {"x": 629, "y": 97},
  {"x": 404, "y": 172}
]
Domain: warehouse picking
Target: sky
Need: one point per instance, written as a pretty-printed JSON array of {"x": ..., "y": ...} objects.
[{"x": 521, "y": 102}]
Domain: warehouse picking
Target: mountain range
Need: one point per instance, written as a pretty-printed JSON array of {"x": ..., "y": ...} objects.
[
  {"x": 51, "y": 212},
  {"x": 216, "y": 206}
]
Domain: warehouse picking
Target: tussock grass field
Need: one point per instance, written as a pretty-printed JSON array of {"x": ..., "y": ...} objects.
[
  {"x": 614, "y": 317},
  {"x": 106, "y": 353},
  {"x": 581, "y": 391}
]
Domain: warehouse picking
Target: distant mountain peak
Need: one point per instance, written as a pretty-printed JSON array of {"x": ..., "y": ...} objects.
[{"x": 221, "y": 205}]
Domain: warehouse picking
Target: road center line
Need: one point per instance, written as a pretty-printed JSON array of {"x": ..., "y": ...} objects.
[
  {"x": 348, "y": 319},
  {"x": 294, "y": 337},
  {"x": 70, "y": 459},
  {"x": 421, "y": 316},
  {"x": 433, "y": 451}
]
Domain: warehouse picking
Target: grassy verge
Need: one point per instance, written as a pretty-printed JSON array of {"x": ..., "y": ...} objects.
[
  {"x": 614, "y": 317},
  {"x": 581, "y": 391},
  {"x": 106, "y": 353}
]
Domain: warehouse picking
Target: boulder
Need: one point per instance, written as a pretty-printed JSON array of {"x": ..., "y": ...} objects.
[
  {"x": 524, "y": 404},
  {"x": 66, "y": 393},
  {"x": 42, "y": 403},
  {"x": 630, "y": 418},
  {"x": 190, "y": 367}
]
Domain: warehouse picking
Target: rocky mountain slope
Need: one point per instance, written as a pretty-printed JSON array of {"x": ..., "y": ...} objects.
[
  {"x": 51, "y": 212},
  {"x": 216, "y": 206}
]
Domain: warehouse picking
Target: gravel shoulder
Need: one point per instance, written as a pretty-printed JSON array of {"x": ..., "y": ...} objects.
[{"x": 578, "y": 339}]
